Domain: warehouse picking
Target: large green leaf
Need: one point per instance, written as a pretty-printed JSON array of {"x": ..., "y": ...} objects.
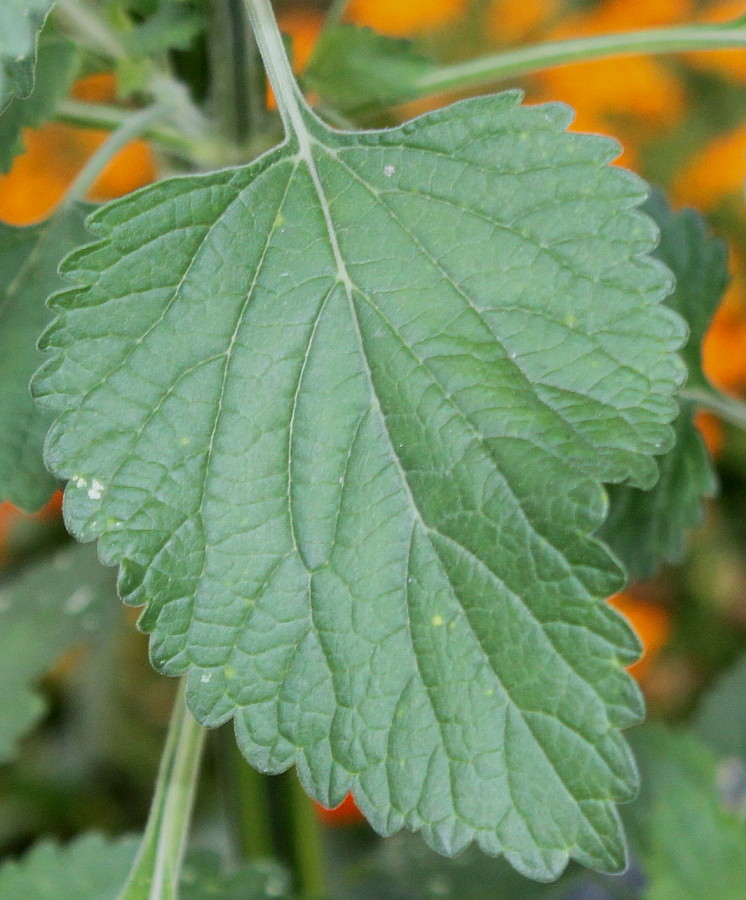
[
  {"x": 343, "y": 416},
  {"x": 20, "y": 24},
  {"x": 29, "y": 259},
  {"x": 55, "y": 70},
  {"x": 645, "y": 528},
  {"x": 692, "y": 846},
  {"x": 354, "y": 68},
  {"x": 44, "y": 611},
  {"x": 94, "y": 868}
]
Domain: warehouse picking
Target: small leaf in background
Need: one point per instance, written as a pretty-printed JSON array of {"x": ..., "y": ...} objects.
[
  {"x": 720, "y": 721},
  {"x": 29, "y": 260},
  {"x": 47, "y": 609},
  {"x": 646, "y": 528},
  {"x": 344, "y": 416},
  {"x": 354, "y": 68},
  {"x": 95, "y": 868},
  {"x": 692, "y": 847},
  {"x": 21, "y": 22},
  {"x": 56, "y": 66}
]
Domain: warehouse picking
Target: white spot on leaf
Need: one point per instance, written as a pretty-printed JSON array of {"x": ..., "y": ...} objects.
[{"x": 94, "y": 491}]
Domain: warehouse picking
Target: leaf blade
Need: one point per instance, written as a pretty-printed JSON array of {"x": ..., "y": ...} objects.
[
  {"x": 333, "y": 544},
  {"x": 21, "y": 22}
]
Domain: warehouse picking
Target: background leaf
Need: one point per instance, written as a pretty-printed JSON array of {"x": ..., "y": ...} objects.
[
  {"x": 56, "y": 67},
  {"x": 343, "y": 417},
  {"x": 21, "y": 22},
  {"x": 720, "y": 721},
  {"x": 693, "y": 847},
  {"x": 646, "y": 528},
  {"x": 94, "y": 868},
  {"x": 44, "y": 611},
  {"x": 29, "y": 259},
  {"x": 354, "y": 68}
]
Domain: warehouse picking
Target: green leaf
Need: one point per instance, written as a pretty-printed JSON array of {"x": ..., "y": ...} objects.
[
  {"x": 21, "y": 22},
  {"x": 692, "y": 846},
  {"x": 646, "y": 528},
  {"x": 94, "y": 868},
  {"x": 44, "y": 611},
  {"x": 55, "y": 70},
  {"x": 354, "y": 68},
  {"x": 343, "y": 417},
  {"x": 403, "y": 867},
  {"x": 720, "y": 721},
  {"x": 29, "y": 259},
  {"x": 174, "y": 24}
]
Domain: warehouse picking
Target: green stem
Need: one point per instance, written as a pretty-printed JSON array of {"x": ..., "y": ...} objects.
[
  {"x": 109, "y": 118},
  {"x": 497, "y": 67},
  {"x": 335, "y": 13},
  {"x": 90, "y": 29},
  {"x": 308, "y": 851},
  {"x": 727, "y": 408},
  {"x": 290, "y": 101},
  {"x": 132, "y": 127},
  {"x": 157, "y": 868},
  {"x": 238, "y": 94}
]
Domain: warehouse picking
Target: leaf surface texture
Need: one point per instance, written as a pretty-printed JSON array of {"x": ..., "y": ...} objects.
[{"x": 343, "y": 417}]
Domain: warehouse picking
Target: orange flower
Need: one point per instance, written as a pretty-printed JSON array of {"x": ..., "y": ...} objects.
[
  {"x": 55, "y": 154},
  {"x": 715, "y": 174},
  {"x": 652, "y": 625},
  {"x": 347, "y": 813},
  {"x": 400, "y": 18},
  {"x": 513, "y": 21},
  {"x": 711, "y": 430},
  {"x": 10, "y": 515}
]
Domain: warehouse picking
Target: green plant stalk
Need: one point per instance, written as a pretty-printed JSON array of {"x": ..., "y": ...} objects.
[
  {"x": 729, "y": 409},
  {"x": 132, "y": 127},
  {"x": 308, "y": 852},
  {"x": 487, "y": 70},
  {"x": 335, "y": 13},
  {"x": 90, "y": 29},
  {"x": 157, "y": 867}
]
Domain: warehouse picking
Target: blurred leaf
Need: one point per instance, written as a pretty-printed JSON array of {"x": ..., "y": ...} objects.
[
  {"x": 21, "y": 22},
  {"x": 90, "y": 868},
  {"x": 404, "y": 868},
  {"x": 720, "y": 720},
  {"x": 174, "y": 25},
  {"x": 29, "y": 259},
  {"x": 646, "y": 528},
  {"x": 692, "y": 846},
  {"x": 343, "y": 416},
  {"x": 353, "y": 68},
  {"x": 44, "y": 611},
  {"x": 57, "y": 63},
  {"x": 94, "y": 868}
]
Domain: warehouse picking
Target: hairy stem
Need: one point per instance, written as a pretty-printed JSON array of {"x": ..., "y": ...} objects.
[
  {"x": 157, "y": 867},
  {"x": 500, "y": 66}
]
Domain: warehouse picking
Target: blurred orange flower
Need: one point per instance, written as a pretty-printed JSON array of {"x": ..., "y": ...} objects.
[
  {"x": 715, "y": 174},
  {"x": 347, "y": 813},
  {"x": 55, "y": 154},
  {"x": 652, "y": 625},
  {"x": 729, "y": 63},
  {"x": 509, "y": 22},
  {"x": 399, "y": 18}
]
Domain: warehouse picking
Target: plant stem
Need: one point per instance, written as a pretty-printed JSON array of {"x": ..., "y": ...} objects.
[
  {"x": 497, "y": 67},
  {"x": 130, "y": 128},
  {"x": 727, "y": 408},
  {"x": 89, "y": 28},
  {"x": 308, "y": 851},
  {"x": 238, "y": 85},
  {"x": 334, "y": 14},
  {"x": 290, "y": 101},
  {"x": 157, "y": 867}
]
